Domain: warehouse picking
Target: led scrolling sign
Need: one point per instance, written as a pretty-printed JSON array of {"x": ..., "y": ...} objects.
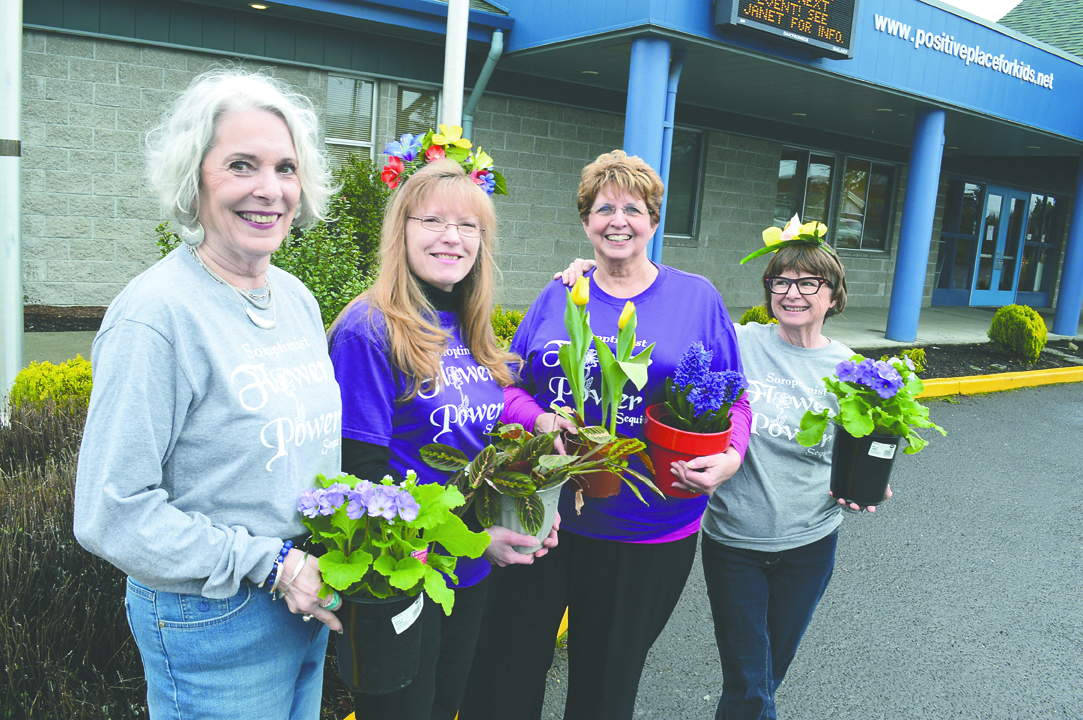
[{"x": 821, "y": 27}]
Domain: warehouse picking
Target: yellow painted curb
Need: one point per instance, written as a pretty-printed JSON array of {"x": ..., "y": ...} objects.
[{"x": 941, "y": 387}]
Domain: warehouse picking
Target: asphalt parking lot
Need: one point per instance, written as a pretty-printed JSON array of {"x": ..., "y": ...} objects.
[{"x": 961, "y": 598}]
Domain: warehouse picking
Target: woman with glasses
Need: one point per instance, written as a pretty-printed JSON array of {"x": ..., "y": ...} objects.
[
  {"x": 418, "y": 362},
  {"x": 770, "y": 532},
  {"x": 621, "y": 564}
]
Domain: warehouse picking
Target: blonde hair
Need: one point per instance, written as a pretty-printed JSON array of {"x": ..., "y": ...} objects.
[
  {"x": 624, "y": 172},
  {"x": 414, "y": 336}
]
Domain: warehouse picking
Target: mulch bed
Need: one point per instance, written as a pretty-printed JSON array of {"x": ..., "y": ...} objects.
[
  {"x": 55, "y": 318},
  {"x": 948, "y": 361}
]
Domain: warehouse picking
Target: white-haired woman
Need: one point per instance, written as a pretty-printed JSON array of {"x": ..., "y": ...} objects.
[{"x": 214, "y": 406}]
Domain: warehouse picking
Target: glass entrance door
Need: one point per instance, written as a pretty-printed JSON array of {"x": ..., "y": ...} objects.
[{"x": 996, "y": 274}]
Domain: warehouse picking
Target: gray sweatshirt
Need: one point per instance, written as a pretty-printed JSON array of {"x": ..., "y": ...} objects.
[
  {"x": 778, "y": 499},
  {"x": 203, "y": 429}
]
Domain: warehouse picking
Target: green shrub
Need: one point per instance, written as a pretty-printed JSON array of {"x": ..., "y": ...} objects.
[
  {"x": 326, "y": 260},
  {"x": 505, "y": 323},
  {"x": 40, "y": 383},
  {"x": 1019, "y": 332},
  {"x": 363, "y": 198},
  {"x": 916, "y": 356},
  {"x": 757, "y": 314}
]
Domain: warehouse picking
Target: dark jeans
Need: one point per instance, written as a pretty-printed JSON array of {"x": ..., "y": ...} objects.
[
  {"x": 619, "y": 597},
  {"x": 762, "y": 603},
  {"x": 447, "y": 650}
]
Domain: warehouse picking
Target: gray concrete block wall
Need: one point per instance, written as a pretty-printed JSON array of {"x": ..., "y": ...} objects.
[
  {"x": 88, "y": 215},
  {"x": 541, "y": 149}
]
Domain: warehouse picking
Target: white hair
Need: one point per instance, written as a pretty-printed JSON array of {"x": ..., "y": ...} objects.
[{"x": 177, "y": 145}]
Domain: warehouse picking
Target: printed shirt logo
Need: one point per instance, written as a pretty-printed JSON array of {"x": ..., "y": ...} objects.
[
  {"x": 262, "y": 387},
  {"x": 456, "y": 380},
  {"x": 778, "y": 403}
]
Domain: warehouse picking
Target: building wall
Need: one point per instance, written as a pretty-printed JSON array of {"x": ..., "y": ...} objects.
[{"x": 89, "y": 217}]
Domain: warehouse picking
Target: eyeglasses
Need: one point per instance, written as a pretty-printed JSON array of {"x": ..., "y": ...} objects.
[
  {"x": 630, "y": 211},
  {"x": 439, "y": 225},
  {"x": 805, "y": 285}
]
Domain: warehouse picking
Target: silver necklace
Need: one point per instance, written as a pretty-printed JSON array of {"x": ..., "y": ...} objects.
[{"x": 260, "y": 300}]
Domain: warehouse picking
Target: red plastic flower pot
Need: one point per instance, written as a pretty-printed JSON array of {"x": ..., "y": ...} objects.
[{"x": 667, "y": 445}]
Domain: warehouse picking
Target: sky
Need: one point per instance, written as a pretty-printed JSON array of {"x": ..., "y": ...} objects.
[{"x": 988, "y": 9}]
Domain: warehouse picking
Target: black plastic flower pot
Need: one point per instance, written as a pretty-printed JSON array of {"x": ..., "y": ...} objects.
[
  {"x": 380, "y": 644},
  {"x": 861, "y": 467}
]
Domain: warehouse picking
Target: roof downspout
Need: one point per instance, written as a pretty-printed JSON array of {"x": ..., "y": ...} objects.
[
  {"x": 458, "y": 22},
  {"x": 675, "y": 68},
  {"x": 496, "y": 49}
]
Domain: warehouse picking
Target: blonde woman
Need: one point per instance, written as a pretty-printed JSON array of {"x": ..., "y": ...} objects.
[{"x": 418, "y": 362}]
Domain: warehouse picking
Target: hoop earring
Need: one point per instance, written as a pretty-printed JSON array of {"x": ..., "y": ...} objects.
[{"x": 193, "y": 236}]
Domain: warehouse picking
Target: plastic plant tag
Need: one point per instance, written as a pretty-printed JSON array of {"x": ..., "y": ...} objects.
[
  {"x": 882, "y": 450},
  {"x": 407, "y": 617}
]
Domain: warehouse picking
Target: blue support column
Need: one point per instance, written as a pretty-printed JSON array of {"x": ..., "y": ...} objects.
[
  {"x": 645, "y": 113},
  {"x": 1070, "y": 293},
  {"x": 915, "y": 236},
  {"x": 675, "y": 68}
]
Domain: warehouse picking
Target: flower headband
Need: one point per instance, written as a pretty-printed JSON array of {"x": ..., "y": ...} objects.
[
  {"x": 410, "y": 152},
  {"x": 794, "y": 233}
]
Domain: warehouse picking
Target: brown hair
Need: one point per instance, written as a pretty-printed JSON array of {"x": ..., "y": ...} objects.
[
  {"x": 812, "y": 259},
  {"x": 624, "y": 172},
  {"x": 414, "y": 336}
]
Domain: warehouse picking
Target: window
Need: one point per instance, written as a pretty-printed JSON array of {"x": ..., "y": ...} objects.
[
  {"x": 417, "y": 110},
  {"x": 683, "y": 191},
  {"x": 959, "y": 238},
  {"x": 804, "y": 186},
  {"x": 866, "y": 206},
  {"x": 350, "y": 109},
  {"x": 1044, "y": 229},
  {"x": 808, "y": 183}
]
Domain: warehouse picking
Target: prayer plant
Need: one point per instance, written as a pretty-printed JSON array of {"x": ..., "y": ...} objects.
[{"x": 518, "y": 464}]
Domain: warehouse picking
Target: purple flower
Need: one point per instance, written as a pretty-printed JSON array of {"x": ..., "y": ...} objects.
[
  {"x": 734, "y": 384},
  {"x": 848, "y": 371},
  {"x": 384, "y": 502},
  {"x": 405, "y": 149},
  {"x": 359, "y": 499},
  {"x": 884, "y": 379},
  {"x": 693, "y": 367},
  {"x": 407, "y": 506},
  {"x": 309, "y": 502},
  {"x": 876, "y": 374},
  {"x": 332, "y": 498},
  {"x": 707, "y": 396}
]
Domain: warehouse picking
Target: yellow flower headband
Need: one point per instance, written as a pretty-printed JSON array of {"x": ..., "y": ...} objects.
[{"x": 811, "y": 233}]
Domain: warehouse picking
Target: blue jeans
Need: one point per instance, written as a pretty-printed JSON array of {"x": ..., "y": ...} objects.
[
  {"x": 244, "y": 656},
  {"x": 762, "y": 602}
]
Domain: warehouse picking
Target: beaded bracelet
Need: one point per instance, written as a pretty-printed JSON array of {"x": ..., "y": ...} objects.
[{"x": 274, "y": 576}]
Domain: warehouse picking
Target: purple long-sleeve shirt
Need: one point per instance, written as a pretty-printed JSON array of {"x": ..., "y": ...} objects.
[{"x": 677, "y": 309}]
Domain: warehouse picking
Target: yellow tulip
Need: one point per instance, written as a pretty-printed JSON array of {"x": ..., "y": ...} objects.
[
  {"x": 816, "y": 229},
  {"x": 581, "y": 291},
  {"x": 772, "y": 236},
  {"x": 451, "y": 135},
  {"x": 626, "y": 314}
]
